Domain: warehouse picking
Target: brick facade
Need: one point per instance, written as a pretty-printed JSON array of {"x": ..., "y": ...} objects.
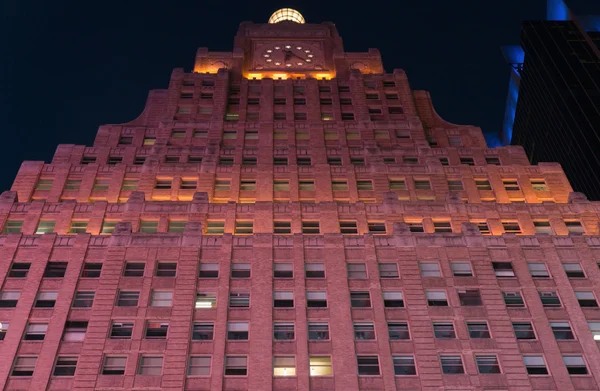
[{"x": 305, "y": 236}]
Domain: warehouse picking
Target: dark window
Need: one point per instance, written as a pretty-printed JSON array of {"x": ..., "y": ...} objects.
[
  {"x": 404, "y": 365},
  {"x": 575, "y": 365},
  {"x": 503, "y": 269},
  {"x": 452, "y": 364},
  {"x": 368, "y": 365},
  {"x": 316, "y": 299},
  {"x": 65, "y": 366},
  {"x": 550, "y": 299},
  {"x": 83, "y": 299},
  {"x": 128, "y": 299},
  {"x": 121, "y": 330},
  {"x": 203, "y": 331},
  {"x": 113, "y": 365},
  {"x": 91, "y": 270},
  {"x": 303, "y": 161},
  {"x": 398, "y": 331},
  {"x": 55, "y": 269},
  {"x": 43, "y": 300},
  {"x": 469, "y": 297},
  {"x": 444, "y": 330},
  {"x": 487, "y": 364},
  {"x": 393, "y": 299},
  {"x": 478, "y": 330},
  {"x": 240, "y": 270},
  {"x": 236, "y": 366},
  {"x": 513, "y": 300},
  {"x": 35, "y": 332},
  {"x": 125, "y": 140},
  {"x": 283, "y": 270},
  {"x": 166, "y": 269},
  {"x": 283, "y": 299},
  {"x": 283, "y": 331},
  {"x": 75, "y": 331},
  {"x": 237, "y": 331},
  {"x": 156, "y": 330},
  {"x": 360, "y": 299},
  {"x": 280, "y": 161},
  {"x": 318, "y": 331},
  {"x": 523, "y": 330},
  {"x": 239, "y": 299},
  {"x": 562, "y": 330},
  {"x": 314, "y": 270},
  {"x": 19, "y": 270},
  {"x": 535, "y": 365},
  {"x": 209, "y": 270},
  {"x": 134, "y": 269}
]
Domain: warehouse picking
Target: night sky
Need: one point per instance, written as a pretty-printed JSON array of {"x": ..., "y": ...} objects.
[{"x": 67, "y": 67}]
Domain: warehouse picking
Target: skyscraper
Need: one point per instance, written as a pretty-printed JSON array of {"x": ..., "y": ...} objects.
[
  {"x": 553, "y": 107},
  {"x": 289, "y": 216}
]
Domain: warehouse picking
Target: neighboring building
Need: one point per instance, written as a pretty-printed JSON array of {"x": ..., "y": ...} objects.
[
  {"x": 290, "y": 217},
  {"x": 553, "y": 107}
]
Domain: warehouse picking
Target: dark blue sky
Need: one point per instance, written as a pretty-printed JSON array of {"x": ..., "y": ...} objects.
[{"x": 67, "y": 67}]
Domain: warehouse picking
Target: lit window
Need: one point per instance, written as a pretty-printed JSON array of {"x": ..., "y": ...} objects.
[
  {"x": 78, "y": 226},
  {"x": 65, "y": 366},
  {"x": 199, "y": 366},
  {"x": 452, "y": 364},
  {"x": 284, "y": 366},
  {"x": 206, "y": 300},
  {"x": 595, "y": 329},
  {"x": 148, "y": 141},
  {"x": 108, "y": 227},
  {"x": 320, "y": 366},
  {"x": 45, "y": 227},
  {"x": 368, "y": 365},
  {"x": 176, "y": 225}
]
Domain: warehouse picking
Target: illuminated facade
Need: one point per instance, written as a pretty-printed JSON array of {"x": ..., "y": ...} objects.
[{"x": 290, "y": 217}]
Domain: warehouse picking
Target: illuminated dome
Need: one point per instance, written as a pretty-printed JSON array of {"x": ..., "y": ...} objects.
[{"x": 284, "y": 14}]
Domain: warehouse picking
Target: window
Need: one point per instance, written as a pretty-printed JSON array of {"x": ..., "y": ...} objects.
[
  {"x": 206, "y": 300},
  {"x": 562, "y": 330},
  {"x": 357, "y": 270},
  {"x": 235, "y": 365},
  {"x": 404, "y": 365},
  {"x": 284, "y": 366},
  {"x": 239, "y": 299},
  {"x": 46, "y": 299},
  {"x": 320, "y": 366},
  {"x": 347, "y": 116},
  {"x": 487, "y": 364},
  {"x": 503, "y": 269},
  {"x": 72, "y": 184},
  {"x": 280, "y": 161},
  {"x": 112, "y": 160},
  {"x": 156, "y": 330},
  {"x": 19, "y": 270},
  {"x": 306, "y": 185},
  {"x": 44, "y": 184},
  {"x": 114, "y": 365},
  {"x": 65, "y": 366},
  {"x": 444, "y": 162},
  {"x": 461, "y": 269},
  {"x": 108, "y": 227},
  {"x": 281, "y": 185},
  {"x": 436, "y": 298},
  {"x": 573, "y": 270},
  {"x": 368, "y": 365},
  {"x": 237, "y": 331},
  {"x": 303, "y": 161},
  {"x": 339, "y": 185},
  {"x": 166, "y": 269},
  {"x": 360, "y": 299},
  {"x": 149, "y": 226},
  {"x": 513, "y": 299},
  {"x": 244, "y": 227},
  {"x": 101, "y": 184},
  {"x": 376, "y": 227},
  {"x": 134, "y": 269},
  {"x": 348, "y": 227},
  {"x": 249, "y": 160},
  {"x": 364, "y": 185},
  {"x": 443, "y": 330},
  {"x": 364, "y": 331},
  {"x": 35, "y": 331},
  {"x": 398, "y": 331},
  {"x": 574, "y": 227},
  {"x": 393, "y": 299},
  {"x": 128, "y": 299},
  {"x": 283, "y": 299},
  {"x": 492, "y": 161},
  {"x": 595, "y": 330},
  {"x": 248, "y": 185},
  {"x": 121, "y": 330},
  {"x": 586, "y": 299},
  {"x": 283, "y": 331},
  {"x": 542, "y": 227},
  {"x": 139, "y": 160},
  {"x": 511, "y": 185},
  {"x": 161, "y": 299},
  {"x": 550, "y": 299},
  {"x": 314, "y": 270},
  {"x": 538, "y": 270},
  {"x": 467, "y": 160},
  {"x": 535, "y": 365},
  {"x": 442, "y": 227},
  {"x": 357, "y": 161},
  {"x": 55, "y": 269},
  {"x": 163, "y": 183},
  {"x": 91, "y": 270},
  {"x": 523, "y": 330},
  {"x": 388, "y": 270},
  {"x": 45, "y": 227},
  {"x": 215, "y": 227},
  {"x": 203, "y": 331},
  {"x": 150, "y": 365},
  {"x": 78, "y": 226},
  {"x": 24, "y": 366},
  {"x": 188, "y": 184},
  {"x": 455, "y": 141},
  {"x": 478, "y": 330},
  {"x": 422, "y": 184},
  {"x": 452, "y": 364},
  {"x": 318, "y": 331},
  {"x": 199, "y": 366},
  {"x": 389, "y": 160},
  {"x": 575, "y": 365},
  {"x": 88, "y": 160},
  {"x": 3, "y": 330},
  {"x": 283, "y": 270},
  {"x": 484, "y": 229},
  {"x": 209, "y": 270},
  {"x": 395, "y": 110},
  {"x": 222, "y": 184},
  {"x": 194, "y": 159},
  {"x": 316, "y": 299},
  {"x": 229, "y": 135},
  {"x": 282, "y": 227},
  {"x": 483, "y": 184},
  {"x": 240, "y": 270},
  {"x": 539, "y": 185},
  {"x": 455, "y": 185},
  {"x": 511, "y": 227}
]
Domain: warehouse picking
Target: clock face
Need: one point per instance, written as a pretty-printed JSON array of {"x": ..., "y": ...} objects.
[{"x": 288, "y": 56}]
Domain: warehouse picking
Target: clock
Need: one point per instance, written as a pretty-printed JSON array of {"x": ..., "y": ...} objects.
[{"x": 288, "y": 56}]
